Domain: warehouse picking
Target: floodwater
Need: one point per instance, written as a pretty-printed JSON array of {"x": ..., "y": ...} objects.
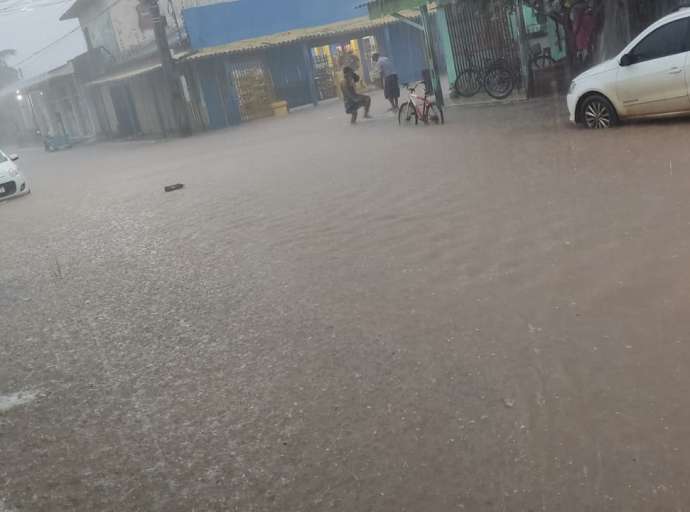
[{"x": 489, "y": 315}]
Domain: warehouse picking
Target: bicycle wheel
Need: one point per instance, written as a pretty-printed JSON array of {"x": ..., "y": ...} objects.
[
  {"x": 499, "y": 82},
  {"x": 435, "y": 114},
  {"x": 469, "y": 82},
  {"x": 407, "y": 114}
]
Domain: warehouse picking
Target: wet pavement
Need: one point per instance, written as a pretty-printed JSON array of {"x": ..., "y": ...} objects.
[{"x": 491, "y": 315}]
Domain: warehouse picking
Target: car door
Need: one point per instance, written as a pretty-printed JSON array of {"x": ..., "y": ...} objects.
[{"x": 655, "y": 82}]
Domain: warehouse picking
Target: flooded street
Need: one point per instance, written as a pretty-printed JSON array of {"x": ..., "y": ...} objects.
[{"x": 489, "y": 315}]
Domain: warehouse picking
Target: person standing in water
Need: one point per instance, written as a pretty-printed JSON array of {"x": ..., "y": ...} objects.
[
  {"x": 353, "y": 100},
  {"x": 389, "y": 77}
]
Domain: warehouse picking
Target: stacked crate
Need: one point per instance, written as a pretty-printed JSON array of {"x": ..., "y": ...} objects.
[{"x": 254, "y": 91}]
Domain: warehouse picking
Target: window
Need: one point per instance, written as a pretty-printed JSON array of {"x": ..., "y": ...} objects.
[{"x": 670, "y": 39}]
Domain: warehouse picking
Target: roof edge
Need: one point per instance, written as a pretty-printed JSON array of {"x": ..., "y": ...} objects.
[{"x": 71, "y": 13}]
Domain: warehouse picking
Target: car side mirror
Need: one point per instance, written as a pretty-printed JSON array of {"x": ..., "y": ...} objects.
[
  {"x": 14, "y": 157},
  {"x": 628, "y": 59}
]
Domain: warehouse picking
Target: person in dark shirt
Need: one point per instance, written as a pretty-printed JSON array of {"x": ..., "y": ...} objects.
[{"x": 353, "y": 100}]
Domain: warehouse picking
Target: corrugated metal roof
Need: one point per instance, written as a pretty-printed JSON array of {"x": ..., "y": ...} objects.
[
  {"x": 380, "y": 7},
  {"x": 123, "y": 75},
  {"x": 356, "y": 25}
]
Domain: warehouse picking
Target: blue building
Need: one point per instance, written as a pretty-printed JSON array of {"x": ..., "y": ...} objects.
[
  {"x": 248, "y": 53},
  {"x": 227, "y": 22}
]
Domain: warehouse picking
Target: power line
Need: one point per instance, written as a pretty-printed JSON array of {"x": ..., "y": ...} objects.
[
  {"x": 38, "y": 52},
  {"x": 65, "y": 36}
]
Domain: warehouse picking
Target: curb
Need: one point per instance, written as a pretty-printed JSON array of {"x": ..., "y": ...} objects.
[{"x": 489, "y": 103}]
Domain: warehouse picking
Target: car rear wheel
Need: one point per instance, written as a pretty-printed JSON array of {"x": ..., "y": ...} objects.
[{"x": 598, "y": 112}]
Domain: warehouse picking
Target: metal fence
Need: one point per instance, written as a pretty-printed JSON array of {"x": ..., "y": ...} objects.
[
  {"x": 481, "y": 32},
  {"x": 324, "y": 77}
]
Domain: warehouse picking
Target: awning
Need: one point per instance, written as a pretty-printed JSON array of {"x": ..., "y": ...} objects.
[
  {"x": 379, "y": 8},
  {"x": 124, "y": 74},
  {"x": 355, "y": 26}
]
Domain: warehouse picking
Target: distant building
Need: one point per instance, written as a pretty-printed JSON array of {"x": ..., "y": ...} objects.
[
  {"x": 52, "y": 104},
  {"x": 121, "y": 69}
]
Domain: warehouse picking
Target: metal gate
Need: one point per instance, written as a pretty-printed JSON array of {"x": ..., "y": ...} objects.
[
  {"x": 253, "y": 89},
  {"x": 481, "y": 31},
  {"x": 324, "y": 76}
]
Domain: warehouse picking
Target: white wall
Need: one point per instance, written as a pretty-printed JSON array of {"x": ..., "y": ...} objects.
[
  {"x": 125, "y": 19},
  {"x": 96, "y": 18},
  {"x": 116, "y": 29}
]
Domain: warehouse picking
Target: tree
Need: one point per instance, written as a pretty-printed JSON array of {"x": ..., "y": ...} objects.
[
  {"x": 6, "y": 54},
  {"x": 8, "y": 74}
]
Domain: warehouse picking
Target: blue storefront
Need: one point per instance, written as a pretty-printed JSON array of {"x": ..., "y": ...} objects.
[{"x": 281, "y": 44}]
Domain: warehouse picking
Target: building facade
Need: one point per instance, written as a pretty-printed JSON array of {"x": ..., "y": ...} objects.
[
  {"x": 52, "y": 104},
  {"x": 293, "y": 51},
  {"x": 235, "y": 58},
  {"x": 121, "y": 70}
]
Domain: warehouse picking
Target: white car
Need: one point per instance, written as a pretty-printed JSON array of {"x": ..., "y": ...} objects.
[
  {"x": 12, "y": 181},
  {"x": 649, "y": 78}
]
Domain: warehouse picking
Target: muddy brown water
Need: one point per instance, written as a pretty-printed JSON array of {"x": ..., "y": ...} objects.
[{"x": 489, "y": 315}]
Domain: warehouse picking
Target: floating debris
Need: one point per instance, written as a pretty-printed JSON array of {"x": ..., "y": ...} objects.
[{"x": 176, "y": 186}]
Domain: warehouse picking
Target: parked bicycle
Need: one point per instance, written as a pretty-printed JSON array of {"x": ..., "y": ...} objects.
[
  {"x": 419, "y": 107},
  {"x": 497, "y": 77}
]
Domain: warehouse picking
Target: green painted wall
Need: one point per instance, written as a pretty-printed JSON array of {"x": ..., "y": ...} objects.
[
  {"x": 444, "y": 37},
  {"x": 549, "y": 39}
]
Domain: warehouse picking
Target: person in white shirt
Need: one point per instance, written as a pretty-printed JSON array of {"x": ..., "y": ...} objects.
[{"x": 389, "y": 77}]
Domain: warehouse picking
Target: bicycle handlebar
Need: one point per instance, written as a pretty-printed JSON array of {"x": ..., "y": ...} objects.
[{"x": 414, "y": 85}]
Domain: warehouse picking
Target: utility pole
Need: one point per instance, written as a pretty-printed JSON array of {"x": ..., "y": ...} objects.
[
  {"x": 170, "y": 74},
  {"x": 431, "y": 53},
  {"x": 525, "y": 67}
]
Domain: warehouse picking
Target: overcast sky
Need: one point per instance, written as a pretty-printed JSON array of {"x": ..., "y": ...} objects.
[{"x": 30, "y": 31}]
